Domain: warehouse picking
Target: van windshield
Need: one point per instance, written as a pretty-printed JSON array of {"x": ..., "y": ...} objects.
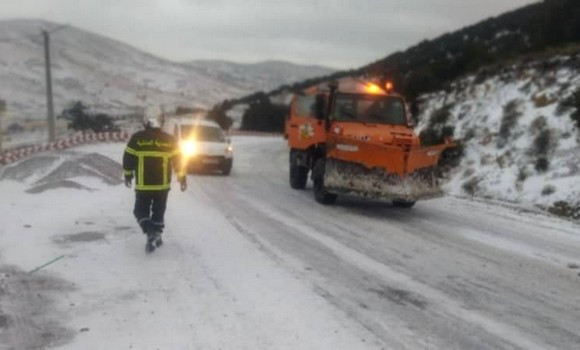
[
  {"x": 202, "y": 133},
  {"x": 369, "y": 109}
]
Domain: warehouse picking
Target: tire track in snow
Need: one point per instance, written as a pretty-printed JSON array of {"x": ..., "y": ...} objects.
[
  {"x": 436, "y": 298},
  {"x": 412, "y": 243}
]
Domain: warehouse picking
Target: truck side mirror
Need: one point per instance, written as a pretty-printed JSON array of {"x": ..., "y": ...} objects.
[{"x": 320, "y": 106}]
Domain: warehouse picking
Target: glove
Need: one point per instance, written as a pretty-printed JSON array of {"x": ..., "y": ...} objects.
[
  {"x": 128, "y": 181},
  {"x": 183, "y": 184}
]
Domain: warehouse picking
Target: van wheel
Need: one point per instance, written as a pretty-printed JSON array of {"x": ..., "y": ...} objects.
[
  {"x": 403, "y": 204},
  {"x": 298, "y": 173},
  {"x": 320, "y": 194}
]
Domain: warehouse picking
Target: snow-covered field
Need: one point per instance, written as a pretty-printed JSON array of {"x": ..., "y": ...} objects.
[{"x": 249, "y": 263}]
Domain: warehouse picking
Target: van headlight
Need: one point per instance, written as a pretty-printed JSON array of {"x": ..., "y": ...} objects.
[{"x": 189, "y": 148}]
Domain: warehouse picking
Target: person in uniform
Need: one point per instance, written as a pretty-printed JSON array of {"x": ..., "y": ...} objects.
[{"x": 149, "y": 157}]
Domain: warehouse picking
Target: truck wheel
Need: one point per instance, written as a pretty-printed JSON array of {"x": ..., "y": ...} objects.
[
  {"x": 227, "y": 167},
  {"x": 403, "y": 204},
  {"x": 298, "y": 173},
  {"x": 320, "y": 193}
]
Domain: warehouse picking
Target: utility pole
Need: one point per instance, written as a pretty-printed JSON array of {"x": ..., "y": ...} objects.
[
  {"x": 49, "y": 100},
  {"x": 2, "y": 109}
]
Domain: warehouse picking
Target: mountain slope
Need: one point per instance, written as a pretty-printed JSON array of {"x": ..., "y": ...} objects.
[
  {"x": 112, "y": 76},
  {"x": 519, "y": 132},
  {"x": 428, "y": 65},
  {"x": 268, "y": 74}
]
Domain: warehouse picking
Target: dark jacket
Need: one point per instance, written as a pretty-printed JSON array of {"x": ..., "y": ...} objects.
[{"x": 149, "y": 156}]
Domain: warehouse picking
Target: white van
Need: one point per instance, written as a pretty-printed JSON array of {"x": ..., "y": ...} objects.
[{"x": 202, "y": 142}]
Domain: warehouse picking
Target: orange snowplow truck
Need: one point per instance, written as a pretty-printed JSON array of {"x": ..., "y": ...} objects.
[{"x": 356, "y": 137}]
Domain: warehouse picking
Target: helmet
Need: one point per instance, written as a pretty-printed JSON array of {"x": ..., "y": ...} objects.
[
  {"x": 151, "y": 117},
  {"x": 152, "y": 123}
]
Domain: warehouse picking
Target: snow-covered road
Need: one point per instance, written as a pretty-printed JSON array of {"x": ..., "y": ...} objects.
[{"x": 251, "y": 264}]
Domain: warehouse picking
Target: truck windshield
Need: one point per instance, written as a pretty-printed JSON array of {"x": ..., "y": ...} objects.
[
  {"x": 202, "y": 133},
  {"x": 369, "y": 109}
]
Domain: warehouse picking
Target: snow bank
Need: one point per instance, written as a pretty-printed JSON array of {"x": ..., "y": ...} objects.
[
  {"x": 519, "y": 148},
  {"x": 53, "y": 171}
]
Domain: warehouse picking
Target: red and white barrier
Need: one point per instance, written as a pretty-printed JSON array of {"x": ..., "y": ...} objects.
[
  {"x": 16, "y": 154},
  {"x": 19, "y": 153}
]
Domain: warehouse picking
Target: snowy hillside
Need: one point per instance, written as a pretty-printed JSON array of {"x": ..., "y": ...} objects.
[
  {"x": 115, "y": 77},
  {"x": 521, "y": 142}
]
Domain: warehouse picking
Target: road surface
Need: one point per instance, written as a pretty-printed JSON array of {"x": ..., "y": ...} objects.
[
  {"x": 447, "y": 274},
  {"x": 249, "y": 263}
]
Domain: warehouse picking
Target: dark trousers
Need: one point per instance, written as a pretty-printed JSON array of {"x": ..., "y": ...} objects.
[{"x": 150, "y": 210}]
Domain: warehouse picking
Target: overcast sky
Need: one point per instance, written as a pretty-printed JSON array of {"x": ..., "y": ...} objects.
[{"x": 337, "y": 33}]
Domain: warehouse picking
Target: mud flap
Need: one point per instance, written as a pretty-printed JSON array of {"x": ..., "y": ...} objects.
[{"x": 352, "y": 178}]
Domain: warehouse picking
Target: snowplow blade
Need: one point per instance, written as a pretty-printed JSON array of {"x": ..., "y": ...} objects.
[{"x": 390, "y": 173}]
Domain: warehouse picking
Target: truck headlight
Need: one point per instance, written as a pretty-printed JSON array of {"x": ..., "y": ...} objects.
[{"x": 229, "y": 149}]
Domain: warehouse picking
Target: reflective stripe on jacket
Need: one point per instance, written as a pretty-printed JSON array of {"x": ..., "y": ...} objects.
[{"x": 150, "y": 155}]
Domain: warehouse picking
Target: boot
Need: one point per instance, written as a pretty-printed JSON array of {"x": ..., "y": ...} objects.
[
  {"x": 150, "y": 246},
  {"x": 158, "y": 241},
  {"x": 158, "y": 228},
  {"x": 151, "y": 232}
]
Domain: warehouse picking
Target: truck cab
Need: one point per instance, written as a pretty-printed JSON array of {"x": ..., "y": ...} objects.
[{"x": 356, "y": 137}]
